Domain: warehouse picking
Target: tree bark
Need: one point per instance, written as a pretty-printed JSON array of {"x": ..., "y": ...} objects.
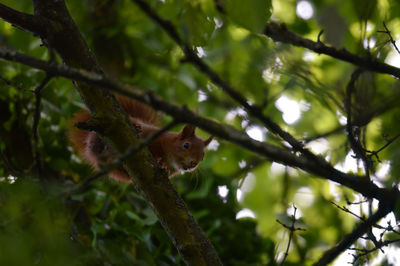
[{"x": 53, "y": 23}]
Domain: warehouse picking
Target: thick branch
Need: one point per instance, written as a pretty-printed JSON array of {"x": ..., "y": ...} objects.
[
  {"x": 280, "y": 33},
  {"x": 192, "y": 57},
  {"x": 72, "y": 48},
  {"x": 20, "y": 20},
  {"x": 320, "y": 168},
  {"x": 62, "y": 35},
  {"x": 323, "y": 169},
  {"x": 104, "y": 170}
]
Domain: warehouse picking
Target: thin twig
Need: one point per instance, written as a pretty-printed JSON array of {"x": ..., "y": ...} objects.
[
  {"x": 280, "y": 33},
  {"x": 378, "y": 246},
  {"x": 387, "y": 31},
  {"x": 348, "y": 240},
  {"x": 348, "y": 211},
  {"x": 355, "y": 202},
  {"x": 363, "y": 219},
  {"x": 389, "y": 141},
  {"x": 292, "y": 229}
]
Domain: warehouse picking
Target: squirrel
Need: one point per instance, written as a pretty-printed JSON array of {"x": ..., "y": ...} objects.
[{"x": 176, "y": 152}]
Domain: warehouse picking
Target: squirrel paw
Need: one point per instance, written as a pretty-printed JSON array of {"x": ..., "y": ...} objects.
[
  {"x": 163, "y": 165},
  {"x": 138, "y": 128}
]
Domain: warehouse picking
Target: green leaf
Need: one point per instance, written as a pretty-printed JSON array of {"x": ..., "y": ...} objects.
[
  {"x": 134, "y": 216},
  {"x": 251, "y": 14}
]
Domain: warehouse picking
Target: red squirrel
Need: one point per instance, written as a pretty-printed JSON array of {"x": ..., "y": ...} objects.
[{"x": 176, "y": 152}]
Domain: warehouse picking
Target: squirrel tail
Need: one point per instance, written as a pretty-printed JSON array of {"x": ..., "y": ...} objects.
[
  {"x": 79, "y": 140},
  {"x": 78, "y": 137},
  {"x": 138, "y": 110}
]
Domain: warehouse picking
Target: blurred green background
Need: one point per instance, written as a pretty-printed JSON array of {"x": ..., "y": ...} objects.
[{"x": 109, "y": 223}]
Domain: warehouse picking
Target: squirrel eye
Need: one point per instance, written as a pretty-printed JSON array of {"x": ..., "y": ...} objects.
[{"x": 186, "y": 145}]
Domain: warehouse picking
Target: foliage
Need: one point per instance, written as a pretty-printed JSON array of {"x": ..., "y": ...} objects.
[{"x": 110, "y": 224}]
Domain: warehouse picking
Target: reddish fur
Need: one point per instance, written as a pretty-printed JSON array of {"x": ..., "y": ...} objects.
[
  {"x": 168, "y": 149},
  {"x": 77, "y": 137},
  {"x": 139, "y": 110}
]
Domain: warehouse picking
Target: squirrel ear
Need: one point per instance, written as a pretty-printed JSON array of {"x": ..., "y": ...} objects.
[
  {"x": 187, "y": 132},
  {"x": 207, "y": 141}
]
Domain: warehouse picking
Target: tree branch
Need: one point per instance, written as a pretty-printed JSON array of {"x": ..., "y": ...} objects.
[
  {"x": 392, "y": 41},
  {"x": 291, "y": 229},
  {"x": 324, "y": 168},
  {"x": 388, "y": 142},
  {"x": 62, "y": 35},
  {"x": 279, "y": 33},
  {"x": 120, "y": 160},
  {"x": 320, "y": 168},
  {"x": 378, "y": 246},
  {"x": 20, "y": 20},
  {"x": 69, "y": 43},
  {"x": 191, "y": 56},
  {"x": 348, "y": 240}
]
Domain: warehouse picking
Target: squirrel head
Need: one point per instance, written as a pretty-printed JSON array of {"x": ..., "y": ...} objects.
[{"x": 186, "y": 151}]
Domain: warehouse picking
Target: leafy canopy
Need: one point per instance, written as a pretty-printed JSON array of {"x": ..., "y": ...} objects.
[{"x": 304, "y": 92}]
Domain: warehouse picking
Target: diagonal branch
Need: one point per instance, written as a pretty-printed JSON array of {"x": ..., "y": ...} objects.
[
  {"x": 309, "y": 161},
  {"x": 191, "y": 56},
  {"x": 152, "y": 185},
  {"x": 349, "y": 239},
  {"x": 20, "y": 20},
  {"x": 279, "y": 33},
  {"x": 120, "y": 160},
  {"x": 320, "y": 168},
  {"x": 62, "y": 35}
]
